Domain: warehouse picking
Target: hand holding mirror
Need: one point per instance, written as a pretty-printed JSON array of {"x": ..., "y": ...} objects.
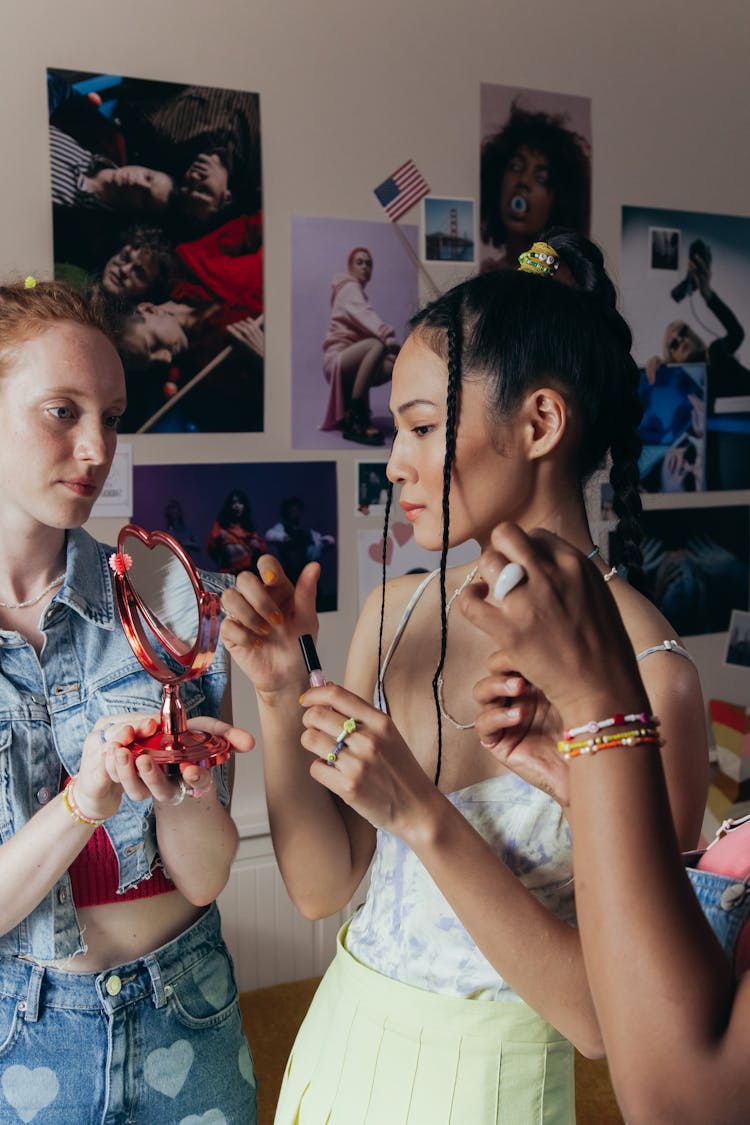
[{"x": 162, "y": 602}]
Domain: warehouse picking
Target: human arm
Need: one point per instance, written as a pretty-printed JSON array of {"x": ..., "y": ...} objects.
[
  {"x": 376, "y": 773},
  {"x": 39, "y": 854},
  {"x": 196, "y": 836},
  {"x": 527, "y": 743},
  {"x": 215, "y": 543},
  {"x": 322, "y": 850},
  {"x": 352, "y": 302},
  {"x": 675, "y": 1027},
  {"x": 699, "y": 268}
]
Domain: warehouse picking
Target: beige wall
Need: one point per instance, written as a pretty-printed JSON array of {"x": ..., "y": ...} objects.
[{"x": 349, "y": 90}]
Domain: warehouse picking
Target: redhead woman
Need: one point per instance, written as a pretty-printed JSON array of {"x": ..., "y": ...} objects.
[{"x": 117, "y": 994}]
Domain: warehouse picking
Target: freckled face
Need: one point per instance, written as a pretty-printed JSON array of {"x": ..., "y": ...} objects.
[
  {"x": 487, "y": 485},
  {"x": 61, "y": 398}
]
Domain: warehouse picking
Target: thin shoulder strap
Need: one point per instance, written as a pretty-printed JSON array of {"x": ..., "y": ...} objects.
[
  {"x": 380, "y": 694},
  {"x": 666, "y": 646}
]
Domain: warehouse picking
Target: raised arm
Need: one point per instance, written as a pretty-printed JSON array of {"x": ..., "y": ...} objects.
[
  {"x": 322, "y": 851},
  {"x": 675, "y": 1026},
  {"x": 538, "y": 954}
]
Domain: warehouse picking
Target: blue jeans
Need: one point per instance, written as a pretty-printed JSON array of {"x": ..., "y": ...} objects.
[
  {"x": 725, "y": 902},
  {"x": 157, "y": 1040}
]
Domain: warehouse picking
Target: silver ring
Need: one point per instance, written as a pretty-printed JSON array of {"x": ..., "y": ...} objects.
[
  {"x": 181, "y": 794},
  {"x": 197, "y": 793},
  {"x": 508, "y": 578},
  {"x": 103, "y": 731}
]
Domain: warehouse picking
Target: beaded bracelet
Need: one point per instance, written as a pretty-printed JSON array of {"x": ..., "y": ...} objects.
[
  {"x": 73, "y": 808},
  {"x": 627, "y": 740},
  {"x": 613, "y": 721},
  {"x": 604, "y": 739}
]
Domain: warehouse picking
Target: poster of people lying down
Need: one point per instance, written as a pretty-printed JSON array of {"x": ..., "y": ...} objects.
[{"x": 157, "y": 209}]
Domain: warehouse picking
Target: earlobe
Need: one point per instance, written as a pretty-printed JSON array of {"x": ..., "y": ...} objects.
[{"x": 547, "y": 421}]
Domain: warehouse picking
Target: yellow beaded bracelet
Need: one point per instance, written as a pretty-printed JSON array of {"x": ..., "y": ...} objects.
[{"x": 71, "y": 805}]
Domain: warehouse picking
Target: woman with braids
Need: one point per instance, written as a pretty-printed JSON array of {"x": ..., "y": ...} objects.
[{"x": 459, "y": 986}]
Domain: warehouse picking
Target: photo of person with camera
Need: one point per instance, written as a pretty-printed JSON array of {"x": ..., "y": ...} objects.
[{"x": 708, "y": 277}]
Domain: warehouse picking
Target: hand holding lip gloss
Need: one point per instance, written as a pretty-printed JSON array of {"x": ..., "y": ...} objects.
[{"x": 312, "y": 661}]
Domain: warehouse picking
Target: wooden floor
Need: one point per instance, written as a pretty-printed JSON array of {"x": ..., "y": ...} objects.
[{"x": 271, "y": 1017}]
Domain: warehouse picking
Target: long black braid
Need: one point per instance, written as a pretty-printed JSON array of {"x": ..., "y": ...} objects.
[
  {"x": 382, "y": 702},
  {"x": 455, "y": 339},
  {"x": 624, "y": 476}
]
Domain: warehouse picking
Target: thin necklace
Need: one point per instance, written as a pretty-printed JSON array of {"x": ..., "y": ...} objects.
[
  {"x": 38, "y": 598},
  {"x": 446, "y": 714}
]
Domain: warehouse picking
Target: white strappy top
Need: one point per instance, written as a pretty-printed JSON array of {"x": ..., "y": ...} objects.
[{"x": 406, "y": 929}]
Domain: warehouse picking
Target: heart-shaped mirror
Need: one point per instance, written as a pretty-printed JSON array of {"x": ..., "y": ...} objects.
[{"x": 163, "y": 604}]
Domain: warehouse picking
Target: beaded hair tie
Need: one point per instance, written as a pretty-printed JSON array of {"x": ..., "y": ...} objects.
[{"x": 541, "y": 258}]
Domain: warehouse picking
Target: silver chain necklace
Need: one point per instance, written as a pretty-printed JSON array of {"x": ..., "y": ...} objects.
[
  {"x": 38, "y": 598},
  {"x": 446, "y": 714}
]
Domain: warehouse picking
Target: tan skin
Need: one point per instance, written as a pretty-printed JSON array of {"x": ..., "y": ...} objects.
[
  {"x": 61, "y": 394},
  {"x": 321, "y": 817},
  {"x": 675, "y": 1022}
]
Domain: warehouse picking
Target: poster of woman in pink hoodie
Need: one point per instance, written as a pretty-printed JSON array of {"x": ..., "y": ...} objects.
[
  {"x": 359, "y": 350},
  {"x": 354, "y": 288}
]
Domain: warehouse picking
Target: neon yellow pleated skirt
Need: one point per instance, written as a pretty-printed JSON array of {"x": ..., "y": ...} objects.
[{"x": 372, "y": 1051}]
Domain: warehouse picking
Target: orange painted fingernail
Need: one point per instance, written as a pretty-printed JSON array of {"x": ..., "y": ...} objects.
[
  {"x": 264, "y": 628},
  {"x": 277, "y": 616},
  {"x": 257, "y": 643},
  {"x": 269, "y": 577},
  {"x": 301, "y": 698}
]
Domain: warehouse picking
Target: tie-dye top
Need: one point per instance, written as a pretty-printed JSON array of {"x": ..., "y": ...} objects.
[{"x": 406, "y": 928}]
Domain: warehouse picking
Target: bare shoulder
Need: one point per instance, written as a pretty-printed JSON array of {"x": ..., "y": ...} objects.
[{"x": 362, "y": 662}]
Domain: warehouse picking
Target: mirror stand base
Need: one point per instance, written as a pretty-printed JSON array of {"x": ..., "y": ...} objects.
[{"x": 195, "y": 747}]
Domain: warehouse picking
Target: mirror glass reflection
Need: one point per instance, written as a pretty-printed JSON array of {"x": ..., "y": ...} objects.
[{"x": 167, "y": 598}]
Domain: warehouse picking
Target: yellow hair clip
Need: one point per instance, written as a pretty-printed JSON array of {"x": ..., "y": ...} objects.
[
  {"x": 29, "y": 282},
  {"x": 541, "y": 258}
]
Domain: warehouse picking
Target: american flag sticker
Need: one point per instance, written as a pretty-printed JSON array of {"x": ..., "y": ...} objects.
[{"x": 405, "y": 187}]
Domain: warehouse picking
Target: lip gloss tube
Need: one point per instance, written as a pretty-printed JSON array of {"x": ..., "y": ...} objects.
[{"x": 312, "y": 661}]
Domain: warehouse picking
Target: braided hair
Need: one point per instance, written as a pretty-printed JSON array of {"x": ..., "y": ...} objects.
[{"x": 517, "y": 331}]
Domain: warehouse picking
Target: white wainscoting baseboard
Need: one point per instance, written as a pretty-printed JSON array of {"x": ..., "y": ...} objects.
[{"x": 268, "y": 938}]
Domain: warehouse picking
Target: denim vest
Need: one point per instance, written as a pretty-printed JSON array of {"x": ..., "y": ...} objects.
[{"x": 48, "y": 705}]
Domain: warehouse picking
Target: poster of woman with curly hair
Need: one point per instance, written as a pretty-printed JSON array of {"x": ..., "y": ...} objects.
[{"x": 535, "y": 169}]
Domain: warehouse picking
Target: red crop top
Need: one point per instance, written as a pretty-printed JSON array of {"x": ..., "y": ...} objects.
[{"x": 94, "y": 875}]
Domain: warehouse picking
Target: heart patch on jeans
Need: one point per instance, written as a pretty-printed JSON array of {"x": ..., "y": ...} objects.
[
  {"x": 29, "y": 1091},
  {"x": 167, "y": 1067}
]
